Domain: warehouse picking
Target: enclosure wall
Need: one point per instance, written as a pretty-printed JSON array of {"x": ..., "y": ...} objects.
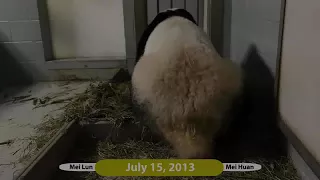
[
  {"x": 26, "y": 46},
  {"x": 300, "y": 78},
  {"x": 252, "y": 37},
  {"x": 252, "y": 22},
  {"x": 21, "y": 51}
]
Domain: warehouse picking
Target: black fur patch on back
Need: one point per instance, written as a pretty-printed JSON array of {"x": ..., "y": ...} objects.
[{"x": 156, "y": 21}]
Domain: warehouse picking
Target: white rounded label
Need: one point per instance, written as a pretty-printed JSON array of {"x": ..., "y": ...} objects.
[
  {"x": 241, "y": 167},
  {"x": 80, "y": 167}
]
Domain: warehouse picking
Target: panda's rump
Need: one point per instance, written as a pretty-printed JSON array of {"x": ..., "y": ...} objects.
[{"x": 189, "y": 87}]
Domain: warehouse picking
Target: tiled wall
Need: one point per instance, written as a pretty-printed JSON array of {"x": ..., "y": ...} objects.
[
  {"x": 19, "y": 27},
  {"x": 20, "y": 41},
  {"x": 22, "y": 57}
]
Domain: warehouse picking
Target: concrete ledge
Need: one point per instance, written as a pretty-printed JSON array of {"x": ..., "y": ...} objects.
[
  {"x": 46, "y": 162},
  {"x": 48, "y": 159},
  {"x": 96, "y": 63}
]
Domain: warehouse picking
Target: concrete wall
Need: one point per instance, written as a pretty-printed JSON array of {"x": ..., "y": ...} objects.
[
  {"x": 20, "y": 40},
  {"x": 300, "y": 78},
  {"x": 21, "y": 46},
  {"x": 20, "y": 29}
]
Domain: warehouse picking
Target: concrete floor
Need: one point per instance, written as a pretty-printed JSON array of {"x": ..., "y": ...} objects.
[{"x": 19, "y": 118}]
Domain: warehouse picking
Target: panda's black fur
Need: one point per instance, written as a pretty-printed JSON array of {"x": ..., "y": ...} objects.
[
  {"x": 123, "y": 75},
  {"x": 162, "y": 16},
  {"x": 139, "y": 109}
]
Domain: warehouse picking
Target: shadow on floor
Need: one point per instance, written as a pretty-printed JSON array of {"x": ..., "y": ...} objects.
[{"x": 254, "y": 132}]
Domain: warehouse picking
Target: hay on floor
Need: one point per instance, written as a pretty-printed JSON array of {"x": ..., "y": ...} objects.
[{"x": 110, "y": 102}]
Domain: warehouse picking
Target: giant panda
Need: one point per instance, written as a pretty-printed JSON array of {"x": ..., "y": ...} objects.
[{"x": 181, "y": 85}]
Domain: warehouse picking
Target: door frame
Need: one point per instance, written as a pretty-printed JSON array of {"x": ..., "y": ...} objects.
[{"x": 216, "y": 25}]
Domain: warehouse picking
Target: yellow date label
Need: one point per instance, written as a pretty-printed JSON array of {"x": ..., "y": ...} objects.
[{"x": 159, "y": 167}]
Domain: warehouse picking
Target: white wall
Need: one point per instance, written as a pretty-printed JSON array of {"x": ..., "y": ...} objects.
[
  {"x": 87, "y": 28},
  {"x": 300, "y": 72}
]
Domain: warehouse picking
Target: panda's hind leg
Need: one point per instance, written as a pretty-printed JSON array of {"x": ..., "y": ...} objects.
[{"x": 144, "y": 117}]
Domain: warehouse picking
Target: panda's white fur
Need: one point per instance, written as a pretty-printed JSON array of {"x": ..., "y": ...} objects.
[{"x": 185, "y": 85}]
